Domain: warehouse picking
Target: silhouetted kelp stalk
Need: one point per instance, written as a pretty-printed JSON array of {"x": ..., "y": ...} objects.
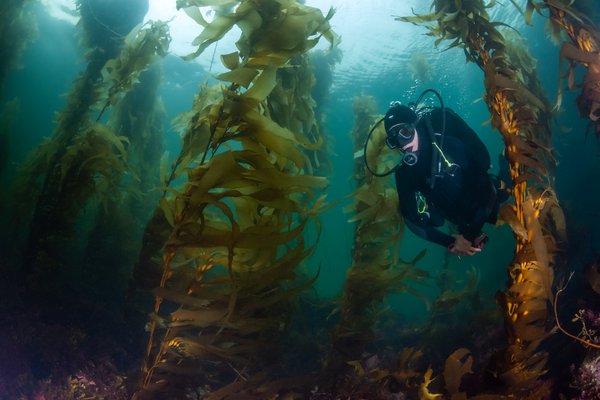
[
  {"x": 322, "y": 64},
  {"x": 583, "y": 49},
  {"x": 17, "y": 30},
  {"x": 376, "y": 269},
  {"x": 8, "y": 115},
  {"x": 232, "y": 256},
  {"x": 536, "y": 218},
  {"x": 82, "y": 158}
]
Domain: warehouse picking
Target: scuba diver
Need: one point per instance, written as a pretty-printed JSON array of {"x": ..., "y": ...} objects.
[{"x": 443, "y": 175}]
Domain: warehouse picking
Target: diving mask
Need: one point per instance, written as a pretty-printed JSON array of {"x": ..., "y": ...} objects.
[{"x": 400, "y": 134}]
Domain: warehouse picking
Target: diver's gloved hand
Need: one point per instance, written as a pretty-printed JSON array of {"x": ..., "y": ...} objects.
[{"x": 462, "y": 246}]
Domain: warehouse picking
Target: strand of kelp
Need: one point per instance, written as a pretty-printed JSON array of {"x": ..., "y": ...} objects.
[
  {"x": 82, "y": 159},
  {"x": 564, "y": 16},
  {"x": 114, "y": 238},
  {"x": 583, "y": 49},
  {"x": 232, "y": 256},
  {"x": 376, "y": 269},
  {"x": 515, "y": 112},
  {"x": 17, "y": 30}
]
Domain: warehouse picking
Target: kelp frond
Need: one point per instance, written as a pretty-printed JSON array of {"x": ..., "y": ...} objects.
[
  {"x": 18, "y": 29},
  {"x": 376, "y": 269},
  {"x": 142, "y": 47}
]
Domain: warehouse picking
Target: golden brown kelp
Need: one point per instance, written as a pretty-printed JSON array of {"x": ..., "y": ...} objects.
[
  {"x": 376, "y": 269},
  {"x": 515, "y": 113},
  {"x": 565, "y": 16},
  {"x": 292, "y": 106},
  {"x": 17, "y": 30},
  {"x": 322, "y": 63},
  {"x": 231, "y": 259},
  {"x": 67, "y": 167}
]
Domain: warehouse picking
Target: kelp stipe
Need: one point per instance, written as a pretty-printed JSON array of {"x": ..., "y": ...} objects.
[
  {"x": 575, "y": 20},
  {"x": 376, "y": 269},
  {"x": 18, "y": 28},
  {"x": 231, "y": 259},
  {"x": 515, "y": 113}
]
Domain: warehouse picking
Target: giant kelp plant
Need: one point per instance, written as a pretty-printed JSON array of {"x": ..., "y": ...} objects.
[
  {"x": 83, "y": 158},
  {"x": 231, "y": 259},
  {"x": 8, "y": 114},
  {"x": 17, "y": 30},
  {"x": 571, "y": 18},
  {"x": 376, "y": 269},
  {"x": 535, "y": 216}
]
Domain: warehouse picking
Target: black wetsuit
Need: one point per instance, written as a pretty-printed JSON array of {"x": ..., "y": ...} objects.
[{"x": 463, "y": 195}]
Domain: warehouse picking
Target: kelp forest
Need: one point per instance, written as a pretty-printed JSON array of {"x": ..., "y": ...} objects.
[{"x": 134, "y": 267}]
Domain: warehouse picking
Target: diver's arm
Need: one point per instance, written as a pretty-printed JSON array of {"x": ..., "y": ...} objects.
[
  {"x": 419, "y": 224},
  {"x": 428, "y": 232}
]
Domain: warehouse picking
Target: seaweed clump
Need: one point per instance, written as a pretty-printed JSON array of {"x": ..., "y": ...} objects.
[
  {"x": 17, "y": 30},
  {"x": 583, "y": 48},
  {"x": 376, "y": 269},
  {"x": 235, "y": 237},
  {"x": 8, "y": 114},
  {"x": 83, "y": 158}
]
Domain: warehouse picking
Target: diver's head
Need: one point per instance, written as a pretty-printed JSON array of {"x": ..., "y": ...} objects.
[{"x": 400, "y": 127}]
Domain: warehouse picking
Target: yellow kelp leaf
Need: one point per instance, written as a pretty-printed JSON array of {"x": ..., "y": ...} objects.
[
  {"x": 424, "y": 393},
  {"x": 181, "y": 298},
  {"x": 195, "y": 14},
  {"x": 457, "y": 364},
  {"x": 272, "y": 136},
  {"x": 256, "y": 236},
  {"x": 249, "y": 24},
  {"x": 212, "y": 32},
  {"x": 358, "y": 368},
  {"x": 167, "y": 211},
  {"x": 263, "y": 85},
  {"x": 536, "y": 238},
  {"x": 508, "y": 215},
  {"x": 278, "y": 179},
  {"x": 213, "y": 172},
  {"x": 201, "y": 317},
  {"x": 231, "y": 60},
  {"x": 271, "y": 59},
  {"x": 242, "y": 76}
]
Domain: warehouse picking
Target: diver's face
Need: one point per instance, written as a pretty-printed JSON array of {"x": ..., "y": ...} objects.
[{"x": 399, "y": 135}]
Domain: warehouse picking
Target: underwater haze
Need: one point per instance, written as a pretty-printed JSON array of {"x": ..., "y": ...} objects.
[{"x": 186, "y": 212}]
